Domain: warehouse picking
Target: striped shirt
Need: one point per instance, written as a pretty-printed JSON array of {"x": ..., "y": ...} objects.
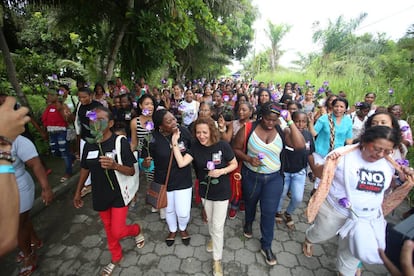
[{"x": 271, "y": 151}]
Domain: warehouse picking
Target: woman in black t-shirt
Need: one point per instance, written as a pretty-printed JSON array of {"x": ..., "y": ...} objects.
[
  {"x": 106, "y": 194},
  {"x": 215, "y": 160},
  {"x": 179, "y": 186}
]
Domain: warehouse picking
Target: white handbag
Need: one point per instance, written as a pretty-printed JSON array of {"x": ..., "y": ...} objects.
[{"x": 129, "y": 185}]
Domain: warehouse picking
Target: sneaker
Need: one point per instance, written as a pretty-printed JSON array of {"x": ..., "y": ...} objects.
[
  {"x": 162, "y": 213},
  {"x": 217, "y": 268},
  {"x": 154, "y": 210},
  {"x": 209, "y": 246},
  {"x": 247, "y": 230},
  {"x": 269, "y": 257},
  {"x": 232, "y": 213}
]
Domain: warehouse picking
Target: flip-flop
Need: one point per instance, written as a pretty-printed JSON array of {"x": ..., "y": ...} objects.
[
  {"x": 108, "y": 269},
  {"x": 307, "y": 249}
]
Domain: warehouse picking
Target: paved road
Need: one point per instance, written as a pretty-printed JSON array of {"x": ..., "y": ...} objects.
[{"x": 75, "y": 244}]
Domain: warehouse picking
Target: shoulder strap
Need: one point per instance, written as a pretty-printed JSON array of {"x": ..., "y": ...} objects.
[
  {"x": 169, "y": 168},
  {"x": 118, "y": 148},
  {"x": 248, "y": 130},
  {"x": 281, "y": 133}
]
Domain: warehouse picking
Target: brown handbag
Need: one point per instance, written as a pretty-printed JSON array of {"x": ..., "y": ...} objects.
[{"x": 157, "y": 193}]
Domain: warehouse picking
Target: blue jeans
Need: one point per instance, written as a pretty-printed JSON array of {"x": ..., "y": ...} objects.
[
  {"x": 267, "y": 188},
  {"x": 296, "y": 183},
  {"x": 60, "y": 147}
]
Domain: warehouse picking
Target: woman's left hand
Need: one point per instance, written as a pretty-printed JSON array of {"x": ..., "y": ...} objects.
[
  {"x": 215, "y": 173},
  {"x": 107, "y": 162}
]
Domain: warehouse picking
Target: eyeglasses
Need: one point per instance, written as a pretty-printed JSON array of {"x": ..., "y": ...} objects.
[{"x": 378, "y": 150}]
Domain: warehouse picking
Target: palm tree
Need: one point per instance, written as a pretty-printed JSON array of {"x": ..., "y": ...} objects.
[{"x": 275, "y": 33}]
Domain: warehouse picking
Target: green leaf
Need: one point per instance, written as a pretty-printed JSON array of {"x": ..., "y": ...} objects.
[
  {"x": 214, "y": 181},
  {"x": 90, "y": 140}
]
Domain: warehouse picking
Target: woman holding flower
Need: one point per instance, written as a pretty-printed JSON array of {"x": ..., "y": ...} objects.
[
  {"x": 213, "y": 161},
  {"x": 353, "y": 205},
  {"x": 262, "y": 170},
  {"x": 179, "y": 186},
  {"x": 407, "y": 136},
  {"x": 141, "y": 129},
  {"x": 98, "y": 160}
]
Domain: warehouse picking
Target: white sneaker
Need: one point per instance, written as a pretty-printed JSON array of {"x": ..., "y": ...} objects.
[
  {"x": 153, "y": 210},
  {"x": 162, "y": 213}
]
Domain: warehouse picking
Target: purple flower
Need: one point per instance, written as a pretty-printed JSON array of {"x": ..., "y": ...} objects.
[
  {"x": 54, "y": 77},
  {"x": 46, "y": 84},
  {"x": 234, "y": 98},
  {"x": 274, "y": 97},
  {"x": 61, "y": 92},
  {"x": 325, "y": 83},
  {"x": 358, "y": 104},
  {"x": 284, "y": 113},
  {"x": 307, "y": 82},
  {"x": 402, "y": 162},
  {"x": 391, "y": 91},
  {"x": 181, "y": 107},
  {"x": 226, "y": 98},
  {"x": 344, "y": 202},
  {"x": 405, "y": 128},
  {"x": 321, "y": 90},
  {"x": 145, "y": 112},
  {"x": 149, "y": 125},
  {"x": 210, "y": 165},
  {"x": 92, "y": 116},
  {"x": 163, "y": 81},
  {"x": 260, "y": 156}
]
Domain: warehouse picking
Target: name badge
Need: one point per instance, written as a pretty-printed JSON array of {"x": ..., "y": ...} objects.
[{"x": 93, "y": 154}]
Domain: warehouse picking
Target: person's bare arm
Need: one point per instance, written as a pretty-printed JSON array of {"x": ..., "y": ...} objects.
[
  {"x": 77, "y": 199},
  {"x": 11, "y": 124},
  {"x": 39, "y": 171},
  {"x": 134, "y": 138},
  {"x": 9, "y": 211},
  {"x": 182, "y": 161}
]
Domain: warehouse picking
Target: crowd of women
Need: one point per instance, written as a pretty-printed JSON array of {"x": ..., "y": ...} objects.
[{"x": 246, "y": 143}]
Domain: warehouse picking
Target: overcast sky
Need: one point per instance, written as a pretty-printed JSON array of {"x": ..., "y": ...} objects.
[{"x": 390, "y": 17}]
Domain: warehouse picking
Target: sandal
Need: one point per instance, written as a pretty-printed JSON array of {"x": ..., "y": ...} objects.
[
  {"x": 108, "y": 269},
  {"x": 29, "y": 265},
  {"x": 289, "y": 221},
  {"x": 185, "y": 237},
  {"x": 170, "y": 238},
  {"x": 63, "y": 179},
  {"x": 86, "y": 190},
  {"x": 279, "y": 218},
  {"x": 307, "y": 248},
  {"x": 140, "y": 240},
  {"x": 34, "y": 245}
]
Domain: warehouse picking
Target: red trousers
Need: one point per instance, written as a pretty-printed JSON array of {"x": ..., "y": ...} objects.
[{"x": 114, "y": 221}]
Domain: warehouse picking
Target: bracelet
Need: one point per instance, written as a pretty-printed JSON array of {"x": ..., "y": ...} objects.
[
  {"x": 6, "y": 169},
  {"x": 5, "y": 141},
  {"x": 6, "y": 155},
  {"x": 290, "y": 123},
  {"x": 175, "y": 145}
]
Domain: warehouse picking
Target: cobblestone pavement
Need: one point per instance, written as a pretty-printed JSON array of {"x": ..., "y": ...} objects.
[{"x": 75, "y": 244}]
